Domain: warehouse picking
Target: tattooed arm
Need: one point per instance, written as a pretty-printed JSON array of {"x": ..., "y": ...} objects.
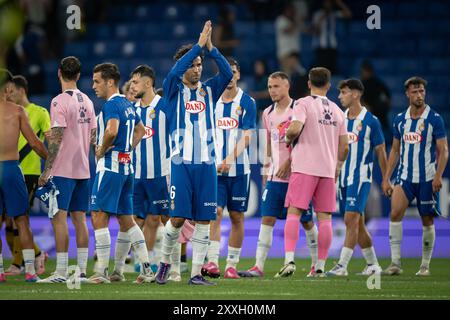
[
  {"x": 93, "y": 136},
  {"x": 53, "y": 148}
]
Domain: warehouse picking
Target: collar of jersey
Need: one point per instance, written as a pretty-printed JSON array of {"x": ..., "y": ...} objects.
[
  {"x": 115, "y": 95},
  {"x": 424, "y": 114},
  {"x": 236, "y": 99},
  {"x": 152, "y": 104},
  {"x": 360, "y": 116}
]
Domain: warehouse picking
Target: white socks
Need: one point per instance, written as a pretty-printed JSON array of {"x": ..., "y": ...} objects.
[
  {"x": 370, "y": 256},
  {"x": 82, "y": 259},
  {"x": 28, "y": 258},
  {"x": 200, "y": 242},
  {"x": 214, "y": 251},
  {"x": 157, "y": 246},
  {"x": 428, "y": 238},
  {"x": 346, "y": 255},
  {"x": 175, "y": 258},
  {"x": 233, "y": 257},
  {"x": 123, "y": 245},
  {"x": 62, "y": 263},
  {"x": 169, "y": 240},
  {"x": 103, "y": 247},
  {"x": 288, "y": 257},
  {"x": 138, "y": 242},
  {"x": 2, "y": 270},
  {"x": 265, "y": 239},
  {"x": 395, "y": 240},
  {"x": 311, "y": 239}
]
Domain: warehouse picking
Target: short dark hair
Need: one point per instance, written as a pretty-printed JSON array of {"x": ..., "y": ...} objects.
[
  {"x": 232, "y": 61},
  {"x": 279, "y": 74},
  {"x": 70, "y": 68},
  {"x": 160, "y": 92},
  {"x": 352, "y": 84},
  {"x": 319, "y": 76},
  {"x": 21, "y": 82},
  {"x": 108, "y": 71},
  {"x": 5, "y": 77},
  {"x": 144, "y": 71},
  {"x": 183, "y": 50},
  {"x": 415, "y": 81}
]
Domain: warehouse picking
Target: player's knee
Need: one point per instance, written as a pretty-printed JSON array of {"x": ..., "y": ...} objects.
[
  {"x": 268, "y": 221},
  {"x": 307, "y": 225},
  {"x": 177, "y": 222},
  {"x": 236, "y": 218},
  {"x": 427, "y": 221},
  {"x": 351, "y": 221},
  {"x": 152, "y": 221}
]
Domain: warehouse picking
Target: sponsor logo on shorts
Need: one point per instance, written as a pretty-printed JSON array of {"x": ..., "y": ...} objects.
[
  {"x": 428, "y": 202},
  {"x": 412, "y": 138},
  {"x": 149, "y": 132},
  {"x": 195, "y": 106},
  {"x": 210, "y": 204},
  {"x": 239, "y": 198},
  {"x": 351, "y": 201},
  {"x": 160, "y": 202},
  {"x": 93, "y": 199},
  {"x": 227, "y": 123}
]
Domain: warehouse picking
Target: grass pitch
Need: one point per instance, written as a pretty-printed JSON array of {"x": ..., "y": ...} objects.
[{"x": 405, "y": 286}]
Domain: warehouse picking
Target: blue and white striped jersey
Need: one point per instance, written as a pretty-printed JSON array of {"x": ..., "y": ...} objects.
[
  {"x": 418, "y": 144},
  {"x": 118, "y": 159},
  {"x": 231, "y": 120},
  {"x": 190, "y": 112},
  {"x": 151, "y": 158},
  {"x": 364, "y": 134}
]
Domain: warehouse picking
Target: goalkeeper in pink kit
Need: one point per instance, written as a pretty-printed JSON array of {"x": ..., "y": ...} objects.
[{"x": 320, "y": 146}]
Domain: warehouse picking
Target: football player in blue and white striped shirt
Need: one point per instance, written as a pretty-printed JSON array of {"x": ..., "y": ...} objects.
[
  {"x": 119, "y": 131},
  {"x": 365, "y": 138},
  {"x": 420, "y": 143},
  {"x": 235, "y": 122},
  {"x": 189, "y": 108}
]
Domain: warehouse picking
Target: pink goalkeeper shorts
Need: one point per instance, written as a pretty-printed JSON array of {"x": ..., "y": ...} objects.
[
  {"x": 187, "y": 230},
  {"x": 303, "y": 188}
]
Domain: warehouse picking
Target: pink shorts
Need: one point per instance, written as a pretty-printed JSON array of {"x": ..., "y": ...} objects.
[
  {"x": 186, "y": 232},
  {"x": 303, "y": 188}
]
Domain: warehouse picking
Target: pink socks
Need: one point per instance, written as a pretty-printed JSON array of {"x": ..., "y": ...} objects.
[{"x": 324, "y": 238}]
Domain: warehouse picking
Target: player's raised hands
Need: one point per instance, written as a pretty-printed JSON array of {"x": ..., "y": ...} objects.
[
  {"x": 209, "y": 44},
  {"x": 206, "y": 34}
]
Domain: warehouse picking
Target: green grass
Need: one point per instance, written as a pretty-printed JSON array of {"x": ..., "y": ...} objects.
[{"x": 406, "y": 286}]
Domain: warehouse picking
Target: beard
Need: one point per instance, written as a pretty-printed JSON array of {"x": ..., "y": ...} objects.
[{"x": 139, "y": 95}]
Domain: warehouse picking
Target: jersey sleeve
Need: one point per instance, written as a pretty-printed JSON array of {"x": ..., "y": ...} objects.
[
  {"x": 249, "y": 119},
  {"x": 299, "y": 112},
  {"x": 438, "y": 128},
  {"x": 45, "y": 124},
  {"x": 376, "y": 134},
  {"x": 219, "y": 82},
  {"x": 395, "y": 131},
  {"x": 110, "y": 111},
  {"x": 58, "y": 113}
]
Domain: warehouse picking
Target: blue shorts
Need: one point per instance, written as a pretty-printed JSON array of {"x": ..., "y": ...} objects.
[
  {"x": 150, "y": 197},
  {"x": 13, "y": 191},
  {"x": 112, "y": 193},
  {"x": 73, "y": 194},
  {"x": 427, "y": 201},
  {"x": 353, "y": 200},
  {"x": 193, "y": 191},
  {"x": 232, "y": 192},
  {"x": 273, "y": 202}
]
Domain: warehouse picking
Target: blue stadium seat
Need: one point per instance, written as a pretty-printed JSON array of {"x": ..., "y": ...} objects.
[
  {"x": 410, "y": 66},
  {"x": 439, "y": 66},
  {"x": 244, "y": 29},
  {"x": 78, "y": 49},
  {"x": 42, "y": 100}
]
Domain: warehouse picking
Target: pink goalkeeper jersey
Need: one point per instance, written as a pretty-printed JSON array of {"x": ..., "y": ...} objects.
[
  {"x": 273, "y": 122},
  {"x": 74, "y": 111},
  {"x": 315, "y": 152}
]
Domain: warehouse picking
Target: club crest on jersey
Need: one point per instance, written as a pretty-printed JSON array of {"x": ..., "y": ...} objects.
[
  {"x": 195, "y": 106},
  {"x": 352, "y": 137},
  {"x": 239, "y": 110},
  {"x": 202, "y": 92},
  {"x": 149, "y": 132},
  {"x": 422, "y": 127},
  {"x": 152, "y": 114},
  {"x": 172, "y": 204},
  {"x": 227, "y": 123},
  {"x": 412, "y": 137},
  {"x": 359, "y": 127}
]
